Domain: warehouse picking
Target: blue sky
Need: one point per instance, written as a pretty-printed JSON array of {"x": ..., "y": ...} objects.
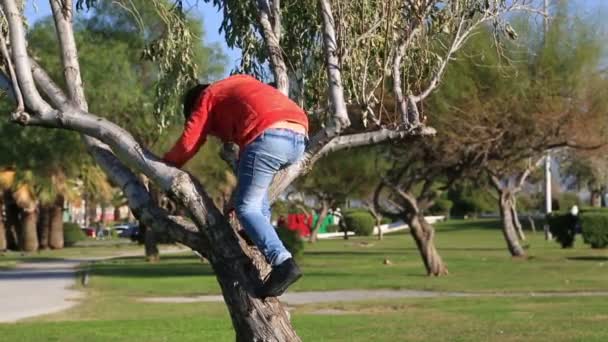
[{"x": 212, "y": 19}]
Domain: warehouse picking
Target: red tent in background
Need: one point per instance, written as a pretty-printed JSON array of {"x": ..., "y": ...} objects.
[{"x": 299, "y": 222}]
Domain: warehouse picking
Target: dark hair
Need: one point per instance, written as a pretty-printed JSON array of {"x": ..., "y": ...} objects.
[{"x": 190, "y": 98}]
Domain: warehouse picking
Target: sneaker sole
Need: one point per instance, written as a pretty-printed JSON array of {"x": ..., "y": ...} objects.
[{"x": 284, "y": 287}]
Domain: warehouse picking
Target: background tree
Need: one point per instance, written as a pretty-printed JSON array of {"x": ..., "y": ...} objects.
[
  {"x": 548, "y": 95},
  {"x": 343, "y": 175},
  {"x": 590, "y": 171}
]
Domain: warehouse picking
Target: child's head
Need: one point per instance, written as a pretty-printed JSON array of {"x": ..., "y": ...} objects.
[{"x": 190, "y": 98}]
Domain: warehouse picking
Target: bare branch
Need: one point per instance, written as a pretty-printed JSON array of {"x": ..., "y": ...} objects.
[
  {"x": 62, "y": 14},
  {"x": 397, "y": 87},
  {"x": 336, "y": 90},
  {"x": 21, "y": 60},
  {"x": 276, "y": 18},
  {"x": 285, "y": 177},
  {"x": 13, "y": 75},
  {"x": 272, "y": 40},
  {"x": 144, "y": 208},
  {"x": 48, "y": 86}
]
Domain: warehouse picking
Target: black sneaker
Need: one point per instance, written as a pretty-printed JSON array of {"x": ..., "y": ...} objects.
[{"x": 280, "y": 278}]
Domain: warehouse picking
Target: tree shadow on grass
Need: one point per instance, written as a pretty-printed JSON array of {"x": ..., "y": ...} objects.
[
  {"x": 136, "y": 266},
  {"x": 589, "y": 258},
  {"x": 458, "y": 225},
  {"x": 392, "y": 251},
  {"x": 152, "y": 270},
  {"x": 36, "y": 275}
]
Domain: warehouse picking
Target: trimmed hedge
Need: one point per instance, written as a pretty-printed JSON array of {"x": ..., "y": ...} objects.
[
  {"x": 595, "y": 229},
  {"x": 361, "y": 223},
  {"x": 563, "y": 227},
  {"x": 72, "y": 234},
  {"x": 292, "y": 241},
  {"x": 442, "y": 206}
]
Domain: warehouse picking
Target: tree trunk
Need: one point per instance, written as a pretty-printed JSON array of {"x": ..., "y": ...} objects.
[
  {"x": 150, "y": 245},
  {"x": 322, "y": 215},
  {"x": 29, "y": 232},
  {"x": 3, "y": 233},
  {"x": 532, "y": 224},
  {"x": 44, "y": 225},
  {"x": 424, "y": 236},
  {"x": 508, "y": 228},
  {"x": 12, "y": 225},
  {"x": 150, "y": 241},
  {"x": 516, "y": 223},
  {"x": 596, "y": 198},
  {"x": 56, "y": 224}
]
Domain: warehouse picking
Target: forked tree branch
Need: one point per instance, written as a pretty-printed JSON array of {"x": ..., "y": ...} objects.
[
  {"x": 25, "y": 80},
  {"x": 272, "y": 37},
  {"x": 239, "y": 268},
  {"x": 62, "y": 14},
  {"x": 340, "y": 119},
  {"x": 139, "y": 199},
  {"x": 13, "y": 76}
]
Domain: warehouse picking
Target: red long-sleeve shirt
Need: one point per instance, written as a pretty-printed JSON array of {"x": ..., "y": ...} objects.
[{"x": 236, "y": 109}]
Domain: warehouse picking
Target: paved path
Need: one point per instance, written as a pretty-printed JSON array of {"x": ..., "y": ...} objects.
[
  {"x": 38, "y": 288},
  {"x": 299, "y": 298},
  {"x": 33, "y": 289}
]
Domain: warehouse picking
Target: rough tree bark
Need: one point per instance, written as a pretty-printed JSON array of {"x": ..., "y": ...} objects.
[
  {"x": 44, "y": 225},
  {"x": 3, "y": 242},
  {"x": 377, "y": 218},
  {"x": 423, "y": 234},
  {"x": 505, "y": 202},
  {"x": 506, "y": 190},
  {"x": 28, "y": 238},
  {"x": 516, "y": 222},
  {"x": 596, "y": 198},
  {"x": 12, "y": 228},
  {"x": 314, "y": 232},
  {"x": 150, "y": 242},
  {"x": 56, "y": 224},
  {"x": 532, "y": 224}
]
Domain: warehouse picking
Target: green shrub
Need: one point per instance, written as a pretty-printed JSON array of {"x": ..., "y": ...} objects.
[
  {"x": 594, "y": 210},
  {"x": 441, "y": 207},
  {"x": 566, "y": 200},
  {"x": 362, "y": 223},
  {"x": 72, "y": 234},
  {"x": 562, "y": 226},
  {"x": 470, "y": 200},
  {"x": 595, "y": 229},
  {"x": 530, "y": 202},
  {"x": 292, "y": 241},
  {"x": 386, "y": 220}
]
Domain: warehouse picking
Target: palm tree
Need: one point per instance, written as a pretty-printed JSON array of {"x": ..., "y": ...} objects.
[
  {"x": 25, "y": 198},
  {"x": 7, "y": 177}
]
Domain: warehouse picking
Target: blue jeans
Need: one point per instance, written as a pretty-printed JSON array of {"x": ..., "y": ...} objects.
[{"x": 272, "y": 151}]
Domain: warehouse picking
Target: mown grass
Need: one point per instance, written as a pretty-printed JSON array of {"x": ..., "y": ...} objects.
[
  {"x": 476, "y": 256},
  {"x": 474, "y": 251}
]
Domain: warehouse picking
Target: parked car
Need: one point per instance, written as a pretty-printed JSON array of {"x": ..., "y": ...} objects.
[{"x": 127, "y": 230}]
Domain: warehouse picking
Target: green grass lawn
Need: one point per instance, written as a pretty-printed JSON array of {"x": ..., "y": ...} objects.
[
  {"x": 88, "y": 248},
  {"x": 474, "y": 251}
]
